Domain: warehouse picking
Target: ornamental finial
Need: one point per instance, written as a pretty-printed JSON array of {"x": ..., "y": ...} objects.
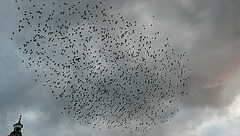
[{"x": 20, "y": 118}]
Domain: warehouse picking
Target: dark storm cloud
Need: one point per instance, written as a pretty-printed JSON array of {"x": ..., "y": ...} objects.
[
  {"x": 215, "y": 53},
  {"x": 214, "y": 50},
  {"x": 210, "y": 30}
]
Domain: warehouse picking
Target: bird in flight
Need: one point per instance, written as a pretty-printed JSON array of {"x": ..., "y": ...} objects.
[{"x": 108, "y": 67}]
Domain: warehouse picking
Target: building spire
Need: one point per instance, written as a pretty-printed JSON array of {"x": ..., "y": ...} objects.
[{"x": 17, "y": 128}]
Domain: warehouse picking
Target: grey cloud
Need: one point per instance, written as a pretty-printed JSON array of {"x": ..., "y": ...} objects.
[
  {"x": 213, "y": 50},
  {"x": 215, "y": 53}
]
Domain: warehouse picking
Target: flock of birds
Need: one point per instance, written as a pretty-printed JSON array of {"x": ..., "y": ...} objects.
[{"x": 107, "y": 67}]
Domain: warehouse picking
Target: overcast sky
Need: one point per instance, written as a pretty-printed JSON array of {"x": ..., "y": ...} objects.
[{"x": 208, "y": 30}]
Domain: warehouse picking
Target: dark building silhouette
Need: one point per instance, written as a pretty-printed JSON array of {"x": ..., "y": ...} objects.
[{"x": 17, "y": 128}]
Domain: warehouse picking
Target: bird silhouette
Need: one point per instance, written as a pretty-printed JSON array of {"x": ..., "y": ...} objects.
[{"x": 107, "y": 66}]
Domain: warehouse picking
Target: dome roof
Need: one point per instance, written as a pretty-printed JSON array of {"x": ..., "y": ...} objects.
[
  {"x": 17, "y": 128},
  {"x": 15, "y": 133},
  {"x": 19, "y": 123}
]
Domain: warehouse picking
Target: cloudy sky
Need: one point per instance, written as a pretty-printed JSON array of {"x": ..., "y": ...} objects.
[{"x": 208, "y": 30}]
